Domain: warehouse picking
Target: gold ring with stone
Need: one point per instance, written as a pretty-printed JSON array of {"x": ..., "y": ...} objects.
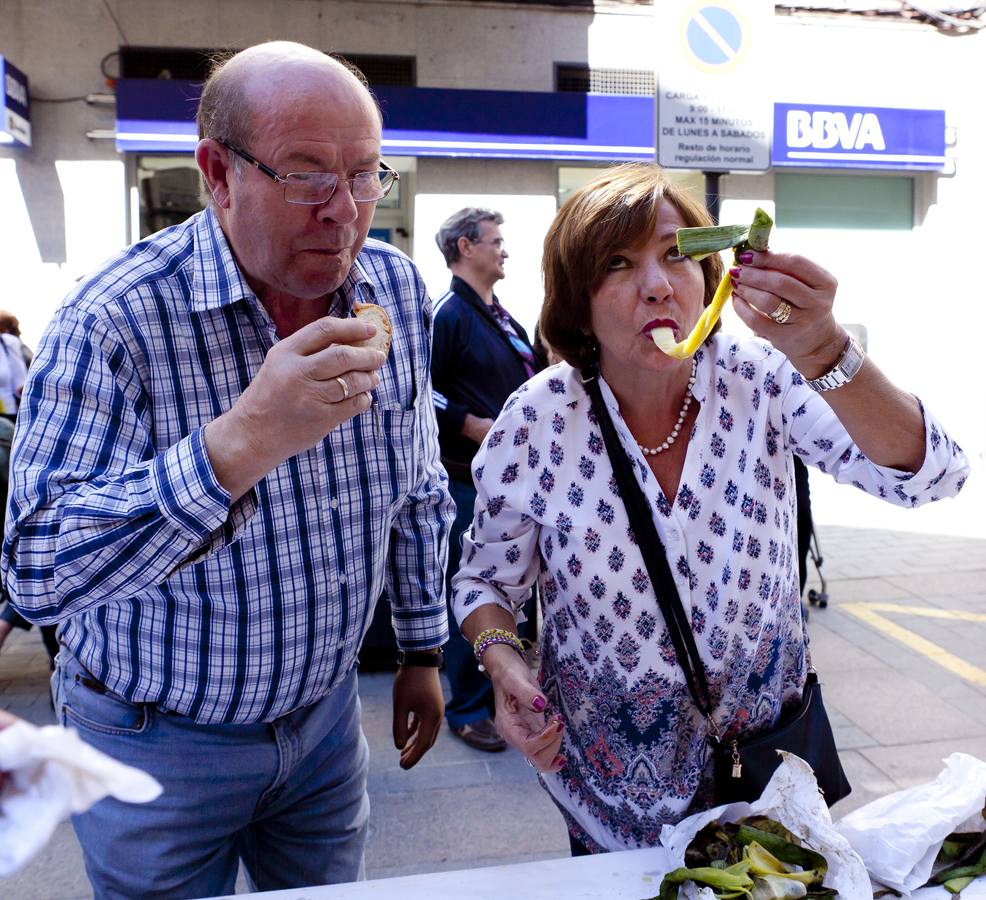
[
  {"x": 345, "y": 388},
  {"x": 782, "y": 313}
]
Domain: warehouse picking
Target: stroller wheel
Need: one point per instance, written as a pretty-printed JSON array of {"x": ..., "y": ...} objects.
[{"x": 818, "y": 598}]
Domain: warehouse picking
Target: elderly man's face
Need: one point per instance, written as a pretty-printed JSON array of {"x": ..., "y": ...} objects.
[{"x": 321, "y": 124}]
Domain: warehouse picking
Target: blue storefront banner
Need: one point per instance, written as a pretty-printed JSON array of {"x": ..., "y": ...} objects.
[
  {"x": 158, "y": 115},
  {"x": 15, "y": 105},
  {"x": 858, "y": 137}
]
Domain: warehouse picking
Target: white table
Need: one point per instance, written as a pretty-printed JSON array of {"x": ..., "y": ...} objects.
[{"x": 630, "y": 875}]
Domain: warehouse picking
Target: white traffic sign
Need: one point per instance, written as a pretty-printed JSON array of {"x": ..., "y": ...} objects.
[{"x": 714, "y": 107}]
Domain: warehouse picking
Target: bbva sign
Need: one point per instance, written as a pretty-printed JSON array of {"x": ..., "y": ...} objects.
[{"x": 826, "y": 129}]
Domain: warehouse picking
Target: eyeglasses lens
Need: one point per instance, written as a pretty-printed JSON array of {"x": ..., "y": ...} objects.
[{"x": 318, "y": 187}]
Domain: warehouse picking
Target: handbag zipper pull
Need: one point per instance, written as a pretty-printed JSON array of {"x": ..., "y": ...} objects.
[{"x": 737, "y": 762}]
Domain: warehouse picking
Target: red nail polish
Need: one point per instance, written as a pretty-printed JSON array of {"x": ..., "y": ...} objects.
[
  {"x": 539, "y": 703},
  {"x": 746, "y": 257},
  {"x": 734, "y": 273},
  {"x": 559, "y": 760}
]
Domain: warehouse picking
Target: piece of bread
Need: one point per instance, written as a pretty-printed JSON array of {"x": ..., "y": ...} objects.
[{"x": 377, "y": 316}]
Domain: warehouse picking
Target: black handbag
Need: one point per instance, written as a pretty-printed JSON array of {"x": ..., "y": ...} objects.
[{"x": 742, "y": 768}]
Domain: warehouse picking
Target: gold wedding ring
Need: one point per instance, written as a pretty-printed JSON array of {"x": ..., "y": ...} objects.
[
  {"x": 782, "y": 313},
  {"x": 345, "y": 388}
]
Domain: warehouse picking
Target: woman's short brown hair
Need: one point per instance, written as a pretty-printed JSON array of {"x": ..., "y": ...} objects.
[{"x": 616, "y": 210}]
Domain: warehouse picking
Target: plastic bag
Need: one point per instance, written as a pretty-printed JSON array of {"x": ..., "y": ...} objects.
[
  {"x": 791, "y": 798},
  {"x": 51, "y": 773},
  {"x": 899, "y": 836}
]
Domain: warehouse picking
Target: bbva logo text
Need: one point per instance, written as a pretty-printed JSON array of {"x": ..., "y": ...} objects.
[{"x": 822, "y": 130}]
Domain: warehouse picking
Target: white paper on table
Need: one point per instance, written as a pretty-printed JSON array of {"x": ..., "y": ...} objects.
[
  {"x": 52, "y": 773},
  {"x": 900, "y": 835},
  {"x": 791, "y": 798}
]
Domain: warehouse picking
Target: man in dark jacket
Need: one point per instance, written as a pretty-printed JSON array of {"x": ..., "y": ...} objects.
[{"x": 480, "y": 356}]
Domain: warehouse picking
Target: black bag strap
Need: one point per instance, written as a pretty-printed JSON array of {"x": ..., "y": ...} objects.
[{"x": 655, "y": 559}]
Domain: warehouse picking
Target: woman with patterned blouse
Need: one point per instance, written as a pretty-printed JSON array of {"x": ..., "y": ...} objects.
[{"x": 611, "y": 726}]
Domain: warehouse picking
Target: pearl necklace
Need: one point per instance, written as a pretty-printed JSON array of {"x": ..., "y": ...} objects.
[{"x": 671, "y": 438}]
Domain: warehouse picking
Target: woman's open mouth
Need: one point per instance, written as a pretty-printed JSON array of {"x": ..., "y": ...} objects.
[{"x": 660, "y": 323}]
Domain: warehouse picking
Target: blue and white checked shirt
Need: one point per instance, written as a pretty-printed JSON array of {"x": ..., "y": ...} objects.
[{"x": 118, "y": 528}]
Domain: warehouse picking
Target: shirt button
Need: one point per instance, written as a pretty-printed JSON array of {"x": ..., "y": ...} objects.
[
  {"x": 341, "y": 645},
  {"x": 334, "y": 503},
  {"x": 342, "y": 578}
]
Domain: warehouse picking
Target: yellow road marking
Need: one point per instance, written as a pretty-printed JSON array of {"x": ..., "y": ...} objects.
[
  {"x": 928, "y": 612},
  {"x": 868, "y": 613}
]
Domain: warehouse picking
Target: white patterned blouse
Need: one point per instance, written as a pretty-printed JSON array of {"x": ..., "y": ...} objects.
[{"x": 547, "y": 509}]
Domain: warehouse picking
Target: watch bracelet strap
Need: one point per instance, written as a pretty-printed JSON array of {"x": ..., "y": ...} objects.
[
  {"x": 836, "y": 374},
  {"x": 652, "y": 550}
]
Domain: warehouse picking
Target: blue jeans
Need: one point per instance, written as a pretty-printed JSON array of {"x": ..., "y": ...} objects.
[{"x": 288, "y": 797}]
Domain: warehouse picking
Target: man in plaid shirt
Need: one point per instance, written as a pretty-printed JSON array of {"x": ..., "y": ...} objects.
[{"x": 212, "y": 487}]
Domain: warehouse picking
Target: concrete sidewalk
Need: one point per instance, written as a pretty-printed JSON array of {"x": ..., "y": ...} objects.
[{"x": 900, "y": 649}]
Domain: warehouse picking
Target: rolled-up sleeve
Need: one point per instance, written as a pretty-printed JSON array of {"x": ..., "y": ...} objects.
[
  {"x": 96, "y": 513},
  {"x": 816, "y": 434}
]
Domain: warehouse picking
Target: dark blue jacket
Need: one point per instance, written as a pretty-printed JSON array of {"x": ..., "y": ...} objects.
[{"x": 474, "y": 369}]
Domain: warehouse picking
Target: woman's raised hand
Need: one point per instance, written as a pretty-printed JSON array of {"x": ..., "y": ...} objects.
[
  {"x": 788, "y": 300},
  {"x": 521, "y": 716}
]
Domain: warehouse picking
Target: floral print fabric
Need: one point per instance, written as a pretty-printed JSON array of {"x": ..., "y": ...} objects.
[{"x": 548, "y": 509}]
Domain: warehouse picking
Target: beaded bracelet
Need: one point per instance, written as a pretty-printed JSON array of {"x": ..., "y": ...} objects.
[{"x": 489, "y": 637}]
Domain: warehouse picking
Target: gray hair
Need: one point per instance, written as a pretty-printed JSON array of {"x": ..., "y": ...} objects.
[
  {"x": 224, "y": 111},
  {"x": 463, "y": 224}
]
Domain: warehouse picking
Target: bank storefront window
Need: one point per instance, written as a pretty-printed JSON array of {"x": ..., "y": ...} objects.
[{"x": 882, "y": 202}]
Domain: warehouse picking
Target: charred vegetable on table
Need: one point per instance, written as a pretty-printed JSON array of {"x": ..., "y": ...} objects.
[
  {"x": 755, "y": 858},
  {"x": 960, "y": 861}
]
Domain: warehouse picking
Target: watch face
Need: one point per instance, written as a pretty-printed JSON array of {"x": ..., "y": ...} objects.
[{"x": 843, "y": 371}]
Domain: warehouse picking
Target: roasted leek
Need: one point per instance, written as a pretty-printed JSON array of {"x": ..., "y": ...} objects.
[{"x": 699, "y": 243}]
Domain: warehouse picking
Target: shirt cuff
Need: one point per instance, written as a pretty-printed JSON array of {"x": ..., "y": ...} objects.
[
  {"x": 420, "y": 627},
  {"x": 190, "y": 496}
]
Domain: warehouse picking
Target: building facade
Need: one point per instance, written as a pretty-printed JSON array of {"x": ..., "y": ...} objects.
[{"x": 512, "y": 105}]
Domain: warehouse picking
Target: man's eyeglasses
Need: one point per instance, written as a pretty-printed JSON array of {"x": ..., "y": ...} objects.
[
  {"x": 315, "y": 188},
  {"x": 496, "y": 242}
]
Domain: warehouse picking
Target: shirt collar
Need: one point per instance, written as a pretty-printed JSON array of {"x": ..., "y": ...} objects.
[
  {"x": 704, "y": 375},
  {"x": 465, "y": 290},
  {"x": 356, "y": 288},
  {"x": 217, "y": 280},
  {"x": 704, "y": 370}
]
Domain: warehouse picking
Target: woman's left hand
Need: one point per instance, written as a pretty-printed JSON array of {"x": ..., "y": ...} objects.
[{"x": 768, "y": 287}]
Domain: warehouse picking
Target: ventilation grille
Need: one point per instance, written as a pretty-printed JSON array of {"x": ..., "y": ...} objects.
[
  {"x": 579, "y": 79},
  {"x": 182, "y": 63},
  {"x": 397, "y": 71},
  {"x": 194, "y": 64}
]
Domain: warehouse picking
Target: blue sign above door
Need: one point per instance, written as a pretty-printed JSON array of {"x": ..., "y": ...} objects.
[{"x": 159, "y": 116}]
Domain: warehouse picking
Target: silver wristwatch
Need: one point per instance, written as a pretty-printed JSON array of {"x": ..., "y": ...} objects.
[{"x": 850, "y": 362}]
